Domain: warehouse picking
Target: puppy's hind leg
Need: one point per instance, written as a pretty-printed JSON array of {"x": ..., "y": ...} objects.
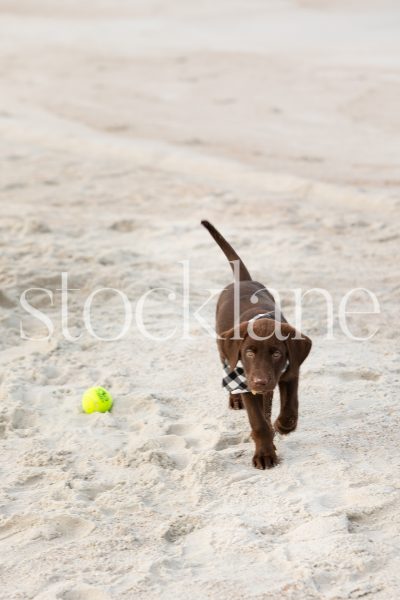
[{"x": 235, "y": 402}]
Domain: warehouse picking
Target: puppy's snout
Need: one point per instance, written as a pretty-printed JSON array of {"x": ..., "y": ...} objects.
[{"x": 261, "y": 382}]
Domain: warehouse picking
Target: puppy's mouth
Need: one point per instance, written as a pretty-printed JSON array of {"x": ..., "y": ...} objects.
[{"x": 264, "y": 391}]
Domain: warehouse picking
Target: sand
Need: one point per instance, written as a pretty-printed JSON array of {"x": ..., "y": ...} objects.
[{"x": 122, "y": 126}]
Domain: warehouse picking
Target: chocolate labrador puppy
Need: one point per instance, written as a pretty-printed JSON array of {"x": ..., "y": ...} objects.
[{"x": 259, "y": 350}]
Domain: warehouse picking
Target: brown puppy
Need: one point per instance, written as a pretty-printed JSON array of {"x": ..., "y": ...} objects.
[{"x": 252, "y": 330}]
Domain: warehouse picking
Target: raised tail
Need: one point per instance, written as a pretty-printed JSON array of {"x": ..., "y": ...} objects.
[{"x": 229, "y": 252}]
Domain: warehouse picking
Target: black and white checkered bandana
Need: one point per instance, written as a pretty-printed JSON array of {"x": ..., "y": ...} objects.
[{"x": 234, "y": 380}]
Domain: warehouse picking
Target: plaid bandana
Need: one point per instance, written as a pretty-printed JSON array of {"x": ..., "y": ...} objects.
[{"x": 234, "y": 380}]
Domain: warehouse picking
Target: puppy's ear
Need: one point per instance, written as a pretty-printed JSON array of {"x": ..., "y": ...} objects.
[
  {"x": 298, "y": 346},
  {"x": 230, "y": 343}
]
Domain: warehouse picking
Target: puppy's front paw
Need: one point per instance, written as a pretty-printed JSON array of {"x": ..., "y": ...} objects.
[
  {"x": 265, "y": 459},
  {"x": 285, "y": 426}
]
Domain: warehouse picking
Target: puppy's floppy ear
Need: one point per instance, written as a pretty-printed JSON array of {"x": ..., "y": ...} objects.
[
  {"x": 230, "y": 343},
  {"x": 298, "y": 346}
]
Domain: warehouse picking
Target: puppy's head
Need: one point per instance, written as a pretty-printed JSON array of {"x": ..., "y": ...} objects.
[{"x": 265, "y": 347}]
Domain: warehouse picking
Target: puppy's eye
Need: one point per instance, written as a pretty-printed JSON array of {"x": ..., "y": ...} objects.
[
  {"x": 276, "y": 354},
  {"x": 250, "y": 353}
]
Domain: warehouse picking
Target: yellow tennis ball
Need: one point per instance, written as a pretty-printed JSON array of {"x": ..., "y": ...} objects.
[{"x": 96, "y": 399}]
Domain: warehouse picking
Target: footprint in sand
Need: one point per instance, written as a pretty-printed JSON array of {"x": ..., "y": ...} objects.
[
  {"x": 124, "y": 226},
  {"x": 71, "y": 528},
  {"x": 197, "y": 437},
  {"x": 180, "y": 527},
  {"x": 228, "y": 439},
  {"x": 173, "y": 448},
  {"x": 29, "y": 480},
  {"x": 15, "y": 525},
  {"x": 21, "y": 418},
  {"x": 166, "y": 451},
  {"x": 366, "y": 374},
  {"x": 26, "y": 529},
  {"x": 91, "y": 492}
]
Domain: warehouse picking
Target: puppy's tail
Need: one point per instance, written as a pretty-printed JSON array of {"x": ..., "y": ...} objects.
[{"x": 229, "y": 252}]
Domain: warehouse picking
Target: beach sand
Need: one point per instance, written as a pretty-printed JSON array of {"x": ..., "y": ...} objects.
[{"x": 122, "y": 126}]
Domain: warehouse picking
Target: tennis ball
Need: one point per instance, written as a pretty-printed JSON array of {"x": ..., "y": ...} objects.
[{"x": 96, "y": 399}]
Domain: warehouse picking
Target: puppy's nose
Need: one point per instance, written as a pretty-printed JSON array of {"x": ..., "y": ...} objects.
[{"x": 261, "y": 382}]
